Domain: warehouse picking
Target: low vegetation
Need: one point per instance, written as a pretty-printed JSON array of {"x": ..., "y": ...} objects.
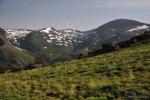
[{"x": 118, "y": 75}]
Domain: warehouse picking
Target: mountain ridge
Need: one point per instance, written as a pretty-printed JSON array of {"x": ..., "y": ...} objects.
[{"x": 54, "y": 45}]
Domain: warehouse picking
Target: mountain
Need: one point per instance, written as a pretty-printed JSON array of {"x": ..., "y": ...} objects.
[
  {"x": 11, "y": 57},
  {"x": 112, "y": 32},
  {"x": 54, "y": 45},
  {"x": 51, "y": 44},
  {"x": 120, "y": 75}
]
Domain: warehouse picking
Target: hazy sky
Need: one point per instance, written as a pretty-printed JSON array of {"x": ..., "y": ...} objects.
[{"x": 76, "y": 14}]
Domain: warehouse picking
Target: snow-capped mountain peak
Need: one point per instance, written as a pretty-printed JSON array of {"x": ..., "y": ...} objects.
[
  {"x": 57, "y": 37},
  {"x": 14, "y": 35},
  {"x": 47, "y": 30}
]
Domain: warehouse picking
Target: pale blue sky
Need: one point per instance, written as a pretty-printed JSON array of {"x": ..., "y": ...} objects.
[{"x": 76, "y": 14}]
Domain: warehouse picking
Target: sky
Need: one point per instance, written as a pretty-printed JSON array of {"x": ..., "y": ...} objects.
[{"x": 64, "y": 14}]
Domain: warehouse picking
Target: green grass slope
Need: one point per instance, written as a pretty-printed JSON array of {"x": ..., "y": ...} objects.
[{"x": 118, "y": 75}]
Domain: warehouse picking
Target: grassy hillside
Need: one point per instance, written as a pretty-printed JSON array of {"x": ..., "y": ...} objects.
[{"x": 118, "y": 75}]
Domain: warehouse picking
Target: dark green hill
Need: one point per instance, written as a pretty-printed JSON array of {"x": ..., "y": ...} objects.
[{"x": 112, "y": 32}]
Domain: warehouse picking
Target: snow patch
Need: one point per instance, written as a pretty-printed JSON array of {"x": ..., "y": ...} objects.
[
  {"x": 139, "y": 28},
  {"x": 46, "y": 30}
]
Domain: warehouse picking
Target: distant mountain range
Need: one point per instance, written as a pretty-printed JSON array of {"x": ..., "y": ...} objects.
[{"x": 52, "y": 45}]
